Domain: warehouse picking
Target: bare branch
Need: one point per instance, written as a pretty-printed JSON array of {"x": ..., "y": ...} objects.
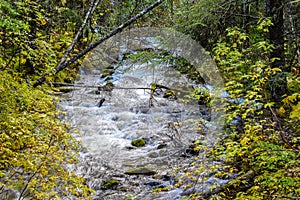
[
  {"x": 87, "y": 16},
  {"x": 64, "y": 65}
]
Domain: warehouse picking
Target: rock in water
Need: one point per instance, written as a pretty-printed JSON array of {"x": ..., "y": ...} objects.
[
  {"x": 110, "y": 184},
  {"x": 138, "y": 142},
  {"x": 140, "y": 171},
  {"x": 100, "y": 103}
]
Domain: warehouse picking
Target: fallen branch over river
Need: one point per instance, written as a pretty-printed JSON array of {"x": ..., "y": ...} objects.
[{"x": 59, "y": 84}]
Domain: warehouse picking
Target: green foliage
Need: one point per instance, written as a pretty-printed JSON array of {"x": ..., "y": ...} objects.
[
  {"x": 110, "y": 184},
  {"x": 35, "y": 146},
  {"x": 207, "y": 21},
  {"x": 263, "y": 156},
  {"x": 256, "y": 143}
]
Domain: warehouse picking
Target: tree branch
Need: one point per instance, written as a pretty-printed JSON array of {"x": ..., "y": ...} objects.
[
  {"x": 64, "y": 65},
  {"x": 87, "y": 16}
]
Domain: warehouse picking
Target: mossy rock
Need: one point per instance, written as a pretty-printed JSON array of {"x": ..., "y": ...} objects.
[
  {"x": 110, "y": 184},
  {"x": 140, "y": 171},
  {"x": 204, "y": 99},
  {"x": 169, "y": 94},
  {"x": 162, "y": 145},
  {"x": 106, "y": 73},
  {"x": 65, "y": 89},
  {"x": 109, "y": 84},
  {"x": 107, "y": 87},
  {"x": 140, "y": 142}
]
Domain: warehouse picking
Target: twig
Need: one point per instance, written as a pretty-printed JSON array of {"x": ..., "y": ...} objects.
[
  {"x": 281, "y": 130},
  {"x": 64, "y": 65}
]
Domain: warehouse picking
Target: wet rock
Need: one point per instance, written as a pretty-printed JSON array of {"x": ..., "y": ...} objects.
[
  {"x": 144, "y": 110},
  {"x": 110, "y": 67},
  {"x": 153, "y": 183},
  {"x": 100, "y": 103},
  {"x": 140, "y": 142},
  {"x": 107, "y": 87},
  {"x": 169, "y": 94},
  {"x": 190, "y": 152},
  {"x": 123, "y": 189},
  {"x": 65, "y": 89},
  {"x": 84, "y": 150},
  {"x": 161, "y": 146},
  {"x": 153, "y": 155},
  {"x": 140, "y": 171},
  {"x": 130, "y": 147},
  {"x": 140, "y": 109},
  {"x": 106, "y": 73},
  {"x": 108, "y": 78},
  {"x": 110, "y": 184}
]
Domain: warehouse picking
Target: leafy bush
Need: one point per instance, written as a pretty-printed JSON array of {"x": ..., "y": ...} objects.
[
  {"x": 34, "y": 144},
  {"x": 259, "y": 156},
  {"x": 258, "y": 143}
]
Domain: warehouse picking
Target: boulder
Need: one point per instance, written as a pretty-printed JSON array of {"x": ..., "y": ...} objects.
[{"x": 140, "y": 142}]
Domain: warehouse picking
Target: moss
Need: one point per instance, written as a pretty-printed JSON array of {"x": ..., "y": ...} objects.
[
  {"x": 107, "y": 87},
  {"x": 169, "y": 94},
  {"x": 293, "y": 84},
  {"x": 140, "y": 171},
  {"x": 138, "y": 142},
  {"x": 110, "y": 184},
  {"x": 109, "y": 84},
  {"x": 107, "y": 73}
]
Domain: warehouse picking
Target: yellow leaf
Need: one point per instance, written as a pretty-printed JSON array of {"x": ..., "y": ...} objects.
[
  {"x": 63, "y": 2},
  {"x": 84, "y": 40},
  {"x": 23, "y": 61},
  {"x": 281, "y": 111},
  {"x": 43, "y": 22},
  {"x": 38, "y": 34},
  {"x": 57, "y": 46}
]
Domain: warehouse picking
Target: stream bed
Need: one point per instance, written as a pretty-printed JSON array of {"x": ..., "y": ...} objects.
[
  {"x": 114, "y": 103},
  {"x": 129, "y": 111}
]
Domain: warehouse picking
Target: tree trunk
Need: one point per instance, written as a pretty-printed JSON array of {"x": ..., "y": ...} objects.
[
  {"x": 278, "y": 85},
  {"x": 246, "y": 19}
]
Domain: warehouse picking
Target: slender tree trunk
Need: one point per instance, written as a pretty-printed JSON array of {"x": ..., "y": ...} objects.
[
  {"x": 278, "y": 85},
  {"x": 294, "y": 33},
  {"x": 246, "y": 19}
]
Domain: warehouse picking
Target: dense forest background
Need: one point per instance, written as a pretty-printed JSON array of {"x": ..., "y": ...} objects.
[{"x": 255, "y": 44}]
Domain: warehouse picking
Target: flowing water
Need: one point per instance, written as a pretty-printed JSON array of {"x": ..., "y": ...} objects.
[{"x": 129, "y": 110}]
